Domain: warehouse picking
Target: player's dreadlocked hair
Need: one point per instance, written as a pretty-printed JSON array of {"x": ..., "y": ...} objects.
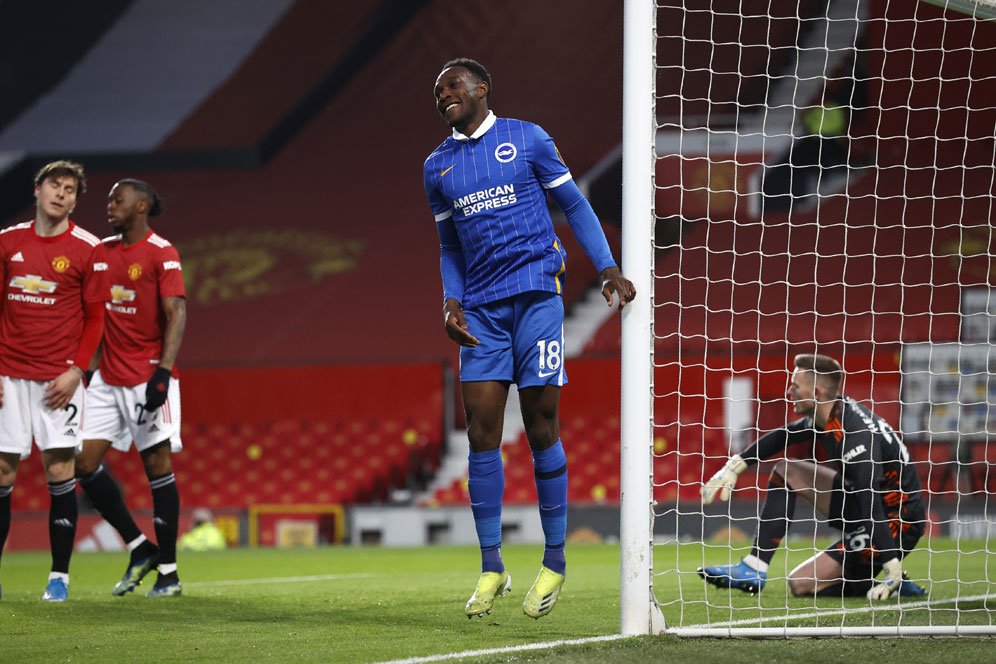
[
  {"x": 824, "y": 368},
  {"x": 474, "y": 67},
  {"x": 155, "y": 203},
  {"x": 63, "y": 168}
]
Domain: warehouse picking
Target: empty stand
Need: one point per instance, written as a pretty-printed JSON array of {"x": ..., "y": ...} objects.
[
  {"x": 329, "y": 251},
  {"x": 288, "y": 435},
  {"x": 151, "y": 68},
  {"x": 293, "y": 461},
  {"x": 709, "y": 62},
  {"x": 290, "y": 61}
]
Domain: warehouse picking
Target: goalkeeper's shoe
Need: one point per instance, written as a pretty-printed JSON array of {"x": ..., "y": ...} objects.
[
  {"x": 56, "y": 591},
  {"x": 167, "y": 585},
  {"x": 138, "y": 567},
  {"x": 909, "y": 588},
  {"x": 542, "y": 597},
  {"x": 490, "y": 586},
  {"x": 739, "y": 577}
]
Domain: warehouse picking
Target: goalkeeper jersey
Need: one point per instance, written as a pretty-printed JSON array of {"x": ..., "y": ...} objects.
[
  {"x": 488, "y": 195},
  {"x": 871, "y": 458}
]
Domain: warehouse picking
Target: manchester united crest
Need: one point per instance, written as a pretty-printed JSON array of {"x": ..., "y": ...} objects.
[
  {"x": 60, "y": 264},
  {"x": 134, "y": 271},
  {"x": 248, "y": 265}
]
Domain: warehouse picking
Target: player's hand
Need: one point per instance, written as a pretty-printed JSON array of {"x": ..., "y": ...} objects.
[
  {"x": 157, "y": 389},
  {"x": 60, "y": 390},
  {"x": 724, "y": 480},
  {"x": 892, "y": 578},
  {"x": 456, "y": 324},
  {"x": 1, "y": 394},
  {"x": 613, "y": 282}
]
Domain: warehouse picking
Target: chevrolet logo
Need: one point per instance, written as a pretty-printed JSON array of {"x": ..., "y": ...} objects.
[
  {"x": 120, "y": 294},
  {"x": 32, "y": 284}
]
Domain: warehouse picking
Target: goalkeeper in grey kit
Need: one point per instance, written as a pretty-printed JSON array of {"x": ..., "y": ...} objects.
[{"x": 868, "y": 489}]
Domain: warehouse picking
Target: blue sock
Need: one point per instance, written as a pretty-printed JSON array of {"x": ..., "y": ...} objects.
[
  {"x": 550, "y": 468},
  {"x": 486, "y": 484}
]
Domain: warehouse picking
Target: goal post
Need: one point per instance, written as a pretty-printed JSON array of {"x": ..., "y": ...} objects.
[
  {"x": 805, "y": 176},
  {"x": 639, "y": 613}
]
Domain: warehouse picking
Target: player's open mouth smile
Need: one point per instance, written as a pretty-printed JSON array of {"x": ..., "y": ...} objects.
[{"x": 453, "y": 105}]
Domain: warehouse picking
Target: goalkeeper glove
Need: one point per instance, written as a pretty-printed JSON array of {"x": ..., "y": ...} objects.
[
  {"x": 724, "y": 480},
  {"x": 890, "y": 583},
  {"x": 157, "y": 389}
]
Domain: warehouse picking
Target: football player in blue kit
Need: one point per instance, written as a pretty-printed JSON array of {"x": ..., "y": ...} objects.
[{"x": 503, "y": 271}]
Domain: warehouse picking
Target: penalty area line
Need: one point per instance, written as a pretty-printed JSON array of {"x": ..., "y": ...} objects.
[
  {"x": 484, "y": 652},
  {"x": 277, "y": 579}
]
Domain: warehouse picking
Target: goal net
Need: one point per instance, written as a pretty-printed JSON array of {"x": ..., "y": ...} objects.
[{"x": 821, "y": 181}]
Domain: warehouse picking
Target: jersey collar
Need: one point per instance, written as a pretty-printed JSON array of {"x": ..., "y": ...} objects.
[
  {"x": 51, "y": 238},
  {"x": 129, "y": 247},
  {"x": 489, "y": 122}
]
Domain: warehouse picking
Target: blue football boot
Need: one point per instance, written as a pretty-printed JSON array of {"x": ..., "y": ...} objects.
[
  {"x": 56, "y": 591},
  {"x": 739, "y": 577},
  {"x": 909, "y": 588}
]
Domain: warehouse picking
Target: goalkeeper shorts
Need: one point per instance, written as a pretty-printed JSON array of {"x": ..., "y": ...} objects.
[{"x": 854, "y": 551}]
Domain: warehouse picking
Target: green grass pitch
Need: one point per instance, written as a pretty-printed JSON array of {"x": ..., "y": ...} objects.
[{"x": 351, "y": 604}]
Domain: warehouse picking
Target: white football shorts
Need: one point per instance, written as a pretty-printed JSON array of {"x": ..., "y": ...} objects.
[
  {"x": 24, "y": 416},
  {"x": 117, "y": 414}
]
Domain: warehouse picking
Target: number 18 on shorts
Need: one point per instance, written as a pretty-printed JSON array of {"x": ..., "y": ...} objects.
[{"x": 522, "y": 341}]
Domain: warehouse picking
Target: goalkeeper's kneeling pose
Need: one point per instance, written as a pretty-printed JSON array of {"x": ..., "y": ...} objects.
[{"x": 868, "y": 489}]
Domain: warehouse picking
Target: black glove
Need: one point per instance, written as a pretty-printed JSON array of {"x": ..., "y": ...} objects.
[{"x": 157, "y": 389}]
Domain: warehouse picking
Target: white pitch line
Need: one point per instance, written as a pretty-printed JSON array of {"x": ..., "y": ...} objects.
[
  {"x": 508, "y": 649},
  {"x": 837, "y": 612},
  {"x": 677, "y": 631},
  {"x": 278, "y": 579}
]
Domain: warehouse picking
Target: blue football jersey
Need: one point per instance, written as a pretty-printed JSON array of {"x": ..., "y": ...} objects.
[{"x": 488, "y": 191}]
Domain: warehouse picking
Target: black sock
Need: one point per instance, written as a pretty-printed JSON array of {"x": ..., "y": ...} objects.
[
  {"x": 167, "y": 579},
  {"x": 5, "y": 492},
  {"x": 166, "y": 508},
  {"x": 62, "y": 516},
  {"x": 105, "y": 495},
  {"x": 773, "y": 522},
  {"x": 849, "y": 588}
]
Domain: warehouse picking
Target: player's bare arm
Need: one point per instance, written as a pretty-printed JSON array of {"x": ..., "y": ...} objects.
[
  {"x": 456, "y": 324},
  {"x": 614, "y": 283},
  {"x": 175, "y": 309},
  {"x": 157, "y": 389}
]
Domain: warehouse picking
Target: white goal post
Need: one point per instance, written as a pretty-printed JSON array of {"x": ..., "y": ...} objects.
[
  {"x": 639, "y": 612},
  {"x": 744, "y": 183}
]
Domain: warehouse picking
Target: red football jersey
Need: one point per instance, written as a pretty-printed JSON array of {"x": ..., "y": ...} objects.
[
  {"x": 140, "y": 276},
  {"x": 46, "y": 282}
]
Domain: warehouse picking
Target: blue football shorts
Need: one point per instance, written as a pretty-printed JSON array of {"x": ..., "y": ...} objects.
[{"x": 522, "y": 341}]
